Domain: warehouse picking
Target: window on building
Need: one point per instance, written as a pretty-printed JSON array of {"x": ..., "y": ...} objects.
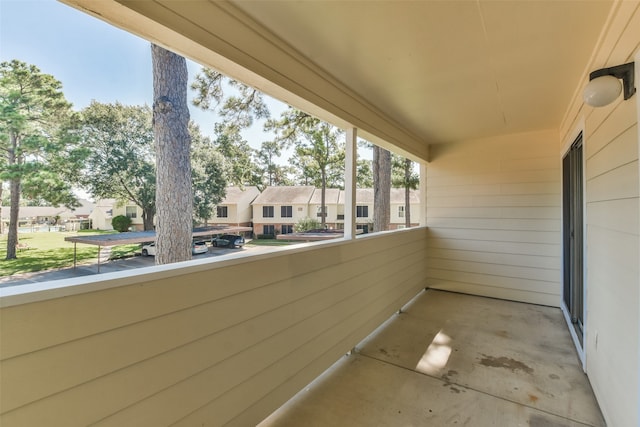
[
  {"x": 267, "y": 211},
  {"x": 131, "y": 212},
  {"x": 221, "y": 212},
  {"x": 287, "y": 229},
  {"x": 400, "y": 211},
  {"x": 362, "y": 211},
  {"x": 268, "y": 229},
  {"x": 286, "y": 212},
  {"x": 322, "y": 212},
  {"x": 363, "y": 227}
]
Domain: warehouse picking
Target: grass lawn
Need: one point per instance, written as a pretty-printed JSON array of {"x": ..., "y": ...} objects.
[
  {"x": 49, "y": 250},
  {"x": 270, "y": 242}
]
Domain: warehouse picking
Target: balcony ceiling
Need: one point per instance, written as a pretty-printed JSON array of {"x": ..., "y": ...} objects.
[
  {"x": 437, "y": 71},
  {"x": 448, "y": 70}
]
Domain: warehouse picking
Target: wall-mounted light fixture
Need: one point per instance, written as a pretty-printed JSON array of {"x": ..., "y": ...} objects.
[{"x": 604, "y": 85}]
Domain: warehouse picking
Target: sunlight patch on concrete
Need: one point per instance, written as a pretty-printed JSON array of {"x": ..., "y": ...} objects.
[{"x": 436, "y": 356}]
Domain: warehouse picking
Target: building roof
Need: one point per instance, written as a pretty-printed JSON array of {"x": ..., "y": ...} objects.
[
  {"x": 34, "y": 211},
  {"x": 397, "y": 196},
  {"x": 365, "y": 196},
  {"x": 332, "y": 196},
  {"x": 285, "y": 195},
  {"x": 84, "y": 209},
  {"x": 25, "y": 212},
  {"x": 105, "y": 203},
  {"x": 235, "y": 195}
]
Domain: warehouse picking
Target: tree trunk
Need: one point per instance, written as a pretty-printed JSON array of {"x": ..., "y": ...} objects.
[
  {"x": 14, "y": 208},
  {"x": 147, "y": 220},
  {"x": 381, "y": 189},
  {"x": 407, "y": 193},
  {"x": 174, "y": 196},
  {"x": 270, "y": 169},
  {"x": 323, "y": 222}
]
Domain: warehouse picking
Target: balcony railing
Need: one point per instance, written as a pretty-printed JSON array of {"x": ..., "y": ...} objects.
[{"x": 230, "y": 340}]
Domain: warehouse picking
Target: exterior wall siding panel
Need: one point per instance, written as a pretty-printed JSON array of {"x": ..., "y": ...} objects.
[
  {"x": 227, "y": 341},
  {"x": 612, "y": 228},
  {"x": 494, "y": 217}
]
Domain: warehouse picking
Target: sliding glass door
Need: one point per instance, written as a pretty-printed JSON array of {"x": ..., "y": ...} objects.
[{"x": 573, "y": 257}]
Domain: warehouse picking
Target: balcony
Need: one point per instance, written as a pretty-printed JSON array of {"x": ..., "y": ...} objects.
[
  {"x": 190, "y": 343},
  {"x": 228, "y": 343},
  {"x": 453, "y": 359}
]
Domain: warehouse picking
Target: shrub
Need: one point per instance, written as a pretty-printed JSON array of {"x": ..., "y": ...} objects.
[
  {"x": 266, "y": 236},
  {"x": 121, "y": 223},
  {"x": 306, "y": 224}
]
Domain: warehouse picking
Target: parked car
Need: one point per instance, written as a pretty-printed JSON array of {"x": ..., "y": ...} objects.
[
  {"x": 229, "y": 240},
  {"x": 149, "y": 249},
  {"x": 199, "y": 248},
  {"x": 196, "y": 248}
]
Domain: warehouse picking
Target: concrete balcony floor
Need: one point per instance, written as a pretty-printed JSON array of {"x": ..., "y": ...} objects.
[{"x": 454, "y": 360}]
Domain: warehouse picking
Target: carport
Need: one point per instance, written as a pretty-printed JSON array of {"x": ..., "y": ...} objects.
[{"x": 140, "y": 237}]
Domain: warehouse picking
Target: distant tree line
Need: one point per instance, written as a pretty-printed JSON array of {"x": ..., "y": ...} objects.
[{"x": 111, "y": 150}]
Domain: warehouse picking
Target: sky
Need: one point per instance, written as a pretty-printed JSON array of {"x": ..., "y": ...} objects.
[{"x": 92, "y": 59}]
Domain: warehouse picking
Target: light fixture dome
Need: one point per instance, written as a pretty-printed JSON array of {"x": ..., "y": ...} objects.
[{"x": 602, "y": 91}]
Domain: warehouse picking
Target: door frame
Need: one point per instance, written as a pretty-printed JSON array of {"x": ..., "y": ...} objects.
[{"x": 577, "y": 341}]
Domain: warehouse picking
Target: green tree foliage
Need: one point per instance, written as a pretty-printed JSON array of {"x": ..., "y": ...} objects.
[
  {"x": 119, "y": 156},
  {"x": 119, "y": 160},
  {"x": 272, "y": 172},
  {"x": 306, "y": 224},
  {"x": 364, "y": 167},
  {"x": 240, "y": 167},
  {"x": 364, "y": 174},
  {"x": 290, "y": 127},
  {"x": 34, "y": 122},
  {"x": 236, "y": 103},
  {"x": 320, "y": 155},
  {"x": 207, "y": 174},
  {"x": 319, "y": 151},
  {"x": 404, "y": 176},
  {"x": 121, "y": 223}
]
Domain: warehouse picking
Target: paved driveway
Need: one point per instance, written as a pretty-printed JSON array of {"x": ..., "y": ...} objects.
[{"x": 115, "y": 265}]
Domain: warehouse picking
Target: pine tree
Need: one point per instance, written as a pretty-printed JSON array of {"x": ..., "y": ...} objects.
[
  {"x": 34, "y": 120},
  {"x": 174, "y": 197}
]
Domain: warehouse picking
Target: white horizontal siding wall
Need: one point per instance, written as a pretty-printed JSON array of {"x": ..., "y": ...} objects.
[
  {"x": 493, "y": 211},
  {"x": 414, "y": 210},
  {"x": 231, "y": 218},
  {"x": 212, "y": 343},
  {"x": 612, "y": 315},
  {"x": 299, "y": 212}
]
